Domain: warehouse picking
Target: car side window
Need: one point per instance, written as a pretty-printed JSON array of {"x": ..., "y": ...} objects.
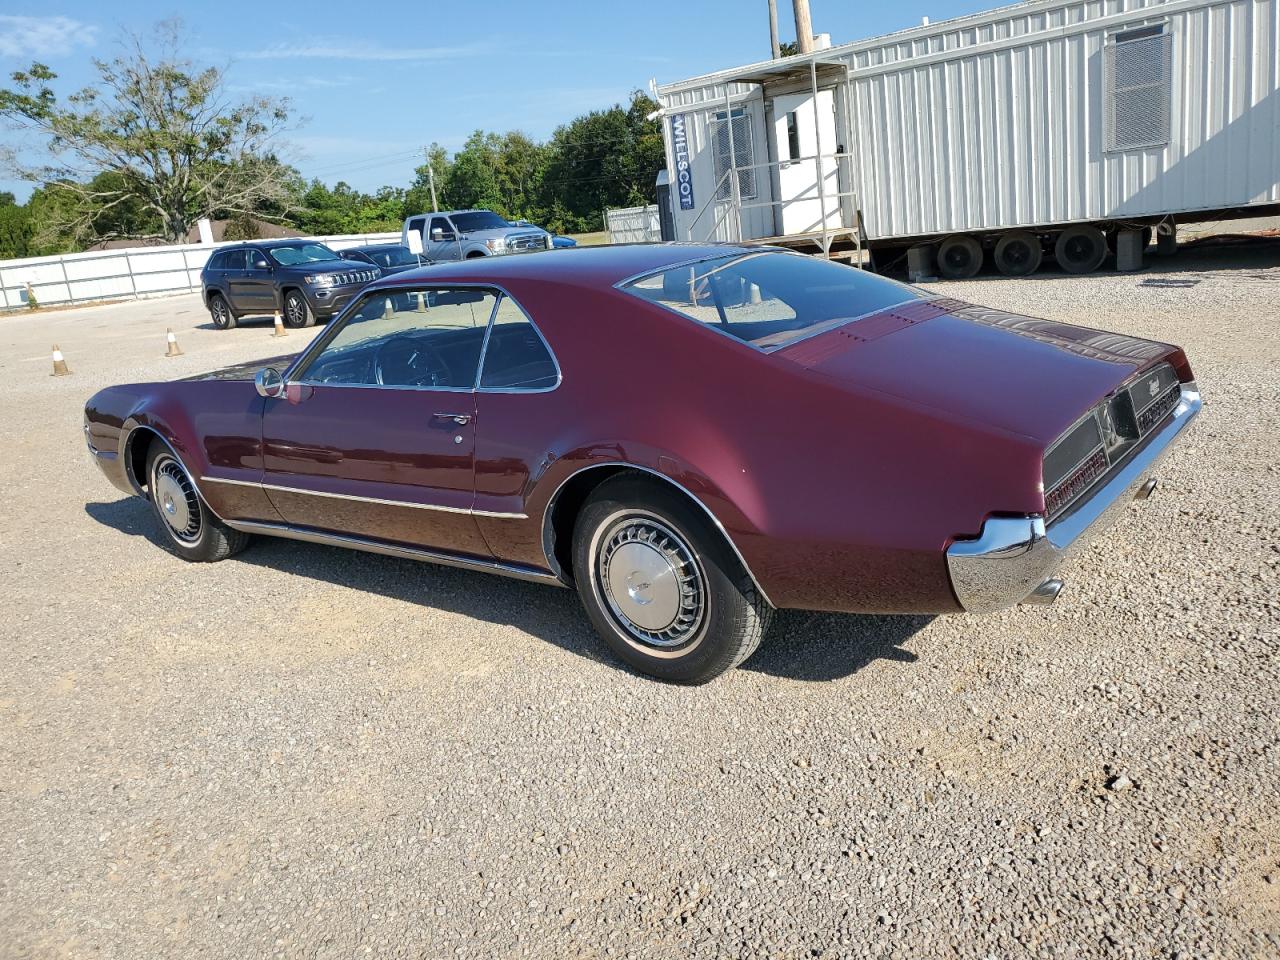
[
  {"x": 516, "y": 357},
  {"x": 441, "y": 223},
  {"x": 423, "y": 339}
]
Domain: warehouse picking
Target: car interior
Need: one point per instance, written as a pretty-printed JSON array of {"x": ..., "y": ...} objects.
[{"x": 405, "y": 348}]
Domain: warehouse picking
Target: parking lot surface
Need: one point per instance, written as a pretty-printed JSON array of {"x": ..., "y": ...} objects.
[{"x": 305, "y": 752}]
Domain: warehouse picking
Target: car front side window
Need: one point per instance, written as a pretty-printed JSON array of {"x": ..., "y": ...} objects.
[{"x": 420, "y": 339}]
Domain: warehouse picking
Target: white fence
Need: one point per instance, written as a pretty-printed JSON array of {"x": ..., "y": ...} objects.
[
  {"x": 125, "y": 274},
  {"x": 633, "y": 225}
]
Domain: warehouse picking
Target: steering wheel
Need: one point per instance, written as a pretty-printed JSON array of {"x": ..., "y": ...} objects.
[{"x": 409, "y": 362}]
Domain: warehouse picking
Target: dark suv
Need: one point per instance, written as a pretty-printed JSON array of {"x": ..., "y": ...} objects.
[{"x": 302, "y": 279}]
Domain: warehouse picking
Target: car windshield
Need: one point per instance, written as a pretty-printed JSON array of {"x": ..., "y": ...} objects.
[
  {"x": 479, "y": 220},
  {"x": 393, "y": 257},
  {"x": 302, "y": 253},
  {"x": 770, "y": 298}
]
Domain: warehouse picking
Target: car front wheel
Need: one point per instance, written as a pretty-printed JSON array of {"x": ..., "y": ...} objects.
[
  {"x": 188, "y": 525},
  {"x": 662, "y": 586},
  {"x": 297, "y": 312}
]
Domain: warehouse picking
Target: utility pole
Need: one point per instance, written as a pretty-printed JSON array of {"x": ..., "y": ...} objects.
[
  {"x": 431, "y": 178},
  {"x": 773, "y": 29},
  {"x": 804, "y": 26}
]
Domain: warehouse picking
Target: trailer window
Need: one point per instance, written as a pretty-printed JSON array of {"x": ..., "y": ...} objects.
[
  {"x": 1137, "y": 83},
  {"x": 770, "y": 299},
  {"x": 793, "y": 137},
  {"x": 743, "y": 154}
]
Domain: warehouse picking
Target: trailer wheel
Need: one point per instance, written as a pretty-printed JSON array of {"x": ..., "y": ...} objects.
[
  {"x": 1018, "y": 253},
  {"x": 959, "y": 257},
  {"x": 1080, "y": 249}
]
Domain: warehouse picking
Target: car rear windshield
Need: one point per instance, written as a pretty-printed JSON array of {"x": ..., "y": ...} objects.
[
  {"x": 479, "y": 220},
  {"x": 770, "y": 298},
  {"x": 393, "y": 257},
  {"x": 302, "y": 253}
]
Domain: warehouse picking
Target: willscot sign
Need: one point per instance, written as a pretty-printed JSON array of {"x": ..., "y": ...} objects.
[{"x": 680, "y": 149}]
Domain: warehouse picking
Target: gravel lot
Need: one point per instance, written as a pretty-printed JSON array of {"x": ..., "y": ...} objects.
[{"x": 305, "y": 752}]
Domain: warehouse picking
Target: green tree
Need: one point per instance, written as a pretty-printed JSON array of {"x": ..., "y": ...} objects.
[
  {"x": 173, "y": 144},
  {"x": 16, "y": 229},
  {"x": 606, "y": 158}
]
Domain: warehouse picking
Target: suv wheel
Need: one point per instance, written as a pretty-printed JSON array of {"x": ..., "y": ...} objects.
[
  {"x": 297, "y": 312},
  {"x": 661, "y": 586},
  {"x": 222, "y": 316}
]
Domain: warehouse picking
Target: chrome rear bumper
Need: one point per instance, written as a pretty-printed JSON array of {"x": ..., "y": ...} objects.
[{"x": 1013, "y": 556}]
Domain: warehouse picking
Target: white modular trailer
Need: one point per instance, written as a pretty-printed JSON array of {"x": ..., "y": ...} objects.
[{"x": 1036, "y": 115}]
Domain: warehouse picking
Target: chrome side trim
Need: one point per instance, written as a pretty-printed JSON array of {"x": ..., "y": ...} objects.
[
  {"x": 395, "y": 550},
  {"x": 1013, "y": 556},
  {"x": 358, "y": 499},
  {"x": 548, "y": 540}
]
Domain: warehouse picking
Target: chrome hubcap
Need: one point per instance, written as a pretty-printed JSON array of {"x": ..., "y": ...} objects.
[
  {"x": 177, "y": 500},
  {"x": 651, "y": 582},
  {"x": 295, "y": 309}
]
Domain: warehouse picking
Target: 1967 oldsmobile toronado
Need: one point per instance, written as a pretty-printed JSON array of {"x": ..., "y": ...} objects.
[{"x": 691, "y": 436}]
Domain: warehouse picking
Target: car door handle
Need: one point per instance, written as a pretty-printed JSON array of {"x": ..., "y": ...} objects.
[{"x": 459, "y": 418}]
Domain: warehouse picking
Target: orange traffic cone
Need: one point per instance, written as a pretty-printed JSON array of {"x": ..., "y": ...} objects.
[
  {"x": 422, "y": 305},
  {"x": 172, "y": 349},
  {"x": 279, "y": 330},
  {"x": 387, "y": 310},
  {"x": 59, "y": 364}
]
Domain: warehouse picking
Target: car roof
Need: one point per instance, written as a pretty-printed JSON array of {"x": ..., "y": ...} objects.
[
  {"x": 598, "y": 266},
  {"x": 375, "y": 246},
  {"x": 281, "y": 242}
]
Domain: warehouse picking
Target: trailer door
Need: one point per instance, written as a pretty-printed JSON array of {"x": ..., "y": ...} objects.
[{"x": 798, "y": 138}]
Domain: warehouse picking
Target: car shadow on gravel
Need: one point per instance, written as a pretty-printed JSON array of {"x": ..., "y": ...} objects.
[{"x": 800, "y": 646}]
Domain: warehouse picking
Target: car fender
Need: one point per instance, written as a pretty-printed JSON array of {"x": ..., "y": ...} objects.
[{"x": 720, "y": 509}]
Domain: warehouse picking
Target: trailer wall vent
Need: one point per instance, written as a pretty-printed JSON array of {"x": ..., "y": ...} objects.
[
  {"x": 1137, "y": 85},
  {"x": 744, "y": 154}
]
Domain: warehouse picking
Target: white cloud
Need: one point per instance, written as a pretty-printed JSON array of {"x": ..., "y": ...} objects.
[
  {"x": 37, "y": 37},
  {"x": 360, "y": 50}
]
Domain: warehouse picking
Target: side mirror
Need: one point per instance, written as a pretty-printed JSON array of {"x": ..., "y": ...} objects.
[
  {"x": 260, "y": 265},
  {"x": 269, "y": 383},
  {"x": 437, "y": 233},
  {"x": 415, "y": 242}
]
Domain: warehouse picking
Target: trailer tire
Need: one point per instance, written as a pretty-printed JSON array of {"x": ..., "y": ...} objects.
[
  {"x": 1018, "y": 253},
  {"x": 1080, "y": 249},
  {"x": 959, "y": 257}
]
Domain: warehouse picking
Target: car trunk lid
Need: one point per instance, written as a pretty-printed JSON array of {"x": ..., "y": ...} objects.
[{"x": 1032, "y": 377}]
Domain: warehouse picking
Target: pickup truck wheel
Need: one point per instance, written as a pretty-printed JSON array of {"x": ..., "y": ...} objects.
[
  {"x": 222, "y": 316},
  {"x": 474, "y": 255},
  {"x": 661, "y": 586},
  {"x": 189, "y": 526},
  {"x": 297, "y": 312}
]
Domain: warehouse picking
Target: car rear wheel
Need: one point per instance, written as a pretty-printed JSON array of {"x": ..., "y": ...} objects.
[
  {"x": 221, "y": 313},
  {"x": 661, "y": 586},
  {"x": 297, "y": 312},
  {"x": 189, "y": 526}
]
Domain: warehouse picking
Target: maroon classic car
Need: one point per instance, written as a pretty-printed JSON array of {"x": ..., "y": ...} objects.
[{"x": 692, "y": 436}]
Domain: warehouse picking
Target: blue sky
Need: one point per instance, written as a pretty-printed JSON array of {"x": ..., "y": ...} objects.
[{"x": 375, "y": 82}]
